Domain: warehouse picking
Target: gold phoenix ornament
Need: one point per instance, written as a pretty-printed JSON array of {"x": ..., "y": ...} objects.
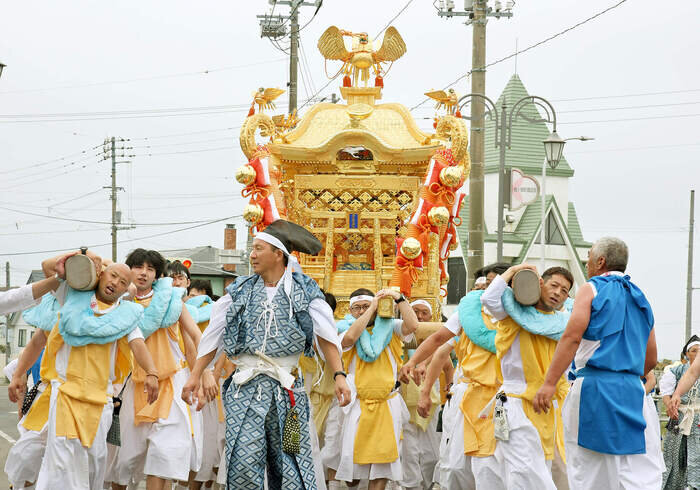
[
  {"x": 264, "y": 97},
  {"x": 448, "y": 99},
  {"x": 362, "y": 57}
]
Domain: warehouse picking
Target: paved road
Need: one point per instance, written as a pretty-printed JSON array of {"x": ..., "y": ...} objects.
[{"x": 8, "y": 426}]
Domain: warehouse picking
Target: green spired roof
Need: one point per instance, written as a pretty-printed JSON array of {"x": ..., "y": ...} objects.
[
  {"x": 526, "y": 154},
  {"x": 527, "y": 230},
  {"x": 527, "y": 150},
  {"x": 575, "y": 228}
]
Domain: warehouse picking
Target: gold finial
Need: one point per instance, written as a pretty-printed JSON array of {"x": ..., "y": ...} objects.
[{"x": 362, "y": 57}]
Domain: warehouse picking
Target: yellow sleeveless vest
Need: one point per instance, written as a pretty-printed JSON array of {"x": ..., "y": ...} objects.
[
  {"x": 536, "y": 352},
  {"x": 482, "y": 371},
  {"x": 83, "y": 394},
  {"x": 38, "y": 414},
  {"x": 159, "y": 347},
  {"x": 375, "y": 440}
]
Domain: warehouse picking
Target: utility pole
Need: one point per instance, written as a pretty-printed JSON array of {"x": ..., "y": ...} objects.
[
  {"x": 477, "y": 12},
  {"x": 8, "y": 348},
  {"x": 274, "y": 27},
  {"x": 293, "y": 54},
  {"x": 109, "y": 152},
  {"x": 114, "y": 200},
  {"x": 689, "y": 284},
  {"x": 475, "y": 254}
]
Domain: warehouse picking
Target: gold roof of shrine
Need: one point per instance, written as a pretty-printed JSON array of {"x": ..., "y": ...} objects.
[{"x": 388, "y": 130}]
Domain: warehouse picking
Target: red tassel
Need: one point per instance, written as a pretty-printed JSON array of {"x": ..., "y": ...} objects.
[
  {"x": 435, "y": 124},
  {"x": 252, "y": 109},
  {"x": 379, "y": 82},
  {"x": 346, "y": 81},
  {"x": 458, "y": 115}
]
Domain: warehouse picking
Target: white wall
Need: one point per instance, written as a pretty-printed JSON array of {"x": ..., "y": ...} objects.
[{"x": 15, "y": 334}]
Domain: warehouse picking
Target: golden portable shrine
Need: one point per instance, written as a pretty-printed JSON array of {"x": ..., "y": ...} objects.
[{"x": 380, "y": 194}]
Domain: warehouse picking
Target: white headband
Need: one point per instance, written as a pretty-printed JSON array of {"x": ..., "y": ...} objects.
[
  {"x": 362, "y": 297},
  {"x": 272, "y": 240},
  {"x": 292, "y": 265},
  {"x": 692, "y": 344},
  {"x": 480, "y": 280},
  {"x": 424, "y": 303}
]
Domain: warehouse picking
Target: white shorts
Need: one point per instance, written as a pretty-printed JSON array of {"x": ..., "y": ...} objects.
[
  {"x": 347, "y": 469},
  {"x": 420, "y": 450},
  {"x": 455, "y": 467},
  {"x": 24, "y": 458},
  {"x": 162, "y": 449},
  {"x": 68, "y": 464},
  {"x": 330, "y": 452},
  {"x": 213, "y": 442},
  {"x": 518, "y": 462},
  {"x": 593, "y": 470}
]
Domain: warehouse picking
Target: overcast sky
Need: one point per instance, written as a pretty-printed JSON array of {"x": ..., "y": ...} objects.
[{"x": 83, "y": 58}]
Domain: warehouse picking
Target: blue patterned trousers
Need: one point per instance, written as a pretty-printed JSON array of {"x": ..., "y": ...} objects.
[{"x": 255, "y": 415}]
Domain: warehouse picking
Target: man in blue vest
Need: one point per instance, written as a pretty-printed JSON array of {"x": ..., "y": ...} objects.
[
  {"x": 610, "y": 337},
  {"x": 264, "y": 322}
]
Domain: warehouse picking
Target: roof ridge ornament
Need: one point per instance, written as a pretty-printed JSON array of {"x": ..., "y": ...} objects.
[{"x": 362, "y": 57}]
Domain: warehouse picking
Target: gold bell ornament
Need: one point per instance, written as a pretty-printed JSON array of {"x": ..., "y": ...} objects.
[
  {"x": 451, "y": 176},
  {"x": 444, "y": 280},
  {"x": 439, "y": 216},
  {"x": 410, "y": 248},
  {"x": 253, "y": 213},
  {"x": 246, "y": 175}
]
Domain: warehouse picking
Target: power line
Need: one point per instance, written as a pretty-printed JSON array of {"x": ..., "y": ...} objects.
[
  {"x": 53, "y": 232},
  {"x": 676, "y": 116},
  {"x": 76, "y": 198},
  {"x": 634, "y": 148},
  {"x": 143, "y": 79},
  {"x": 125, "y": 241},
  {"x": 532, "y": 46},
  {"x": 47, "y": 162},
  {"x": 182, "y": 143},
  {"x": 644, "y": 94},
  {"x": 14, "y": 181},
  {"x": 132, "y": 116},
  {"x": 172, "y": 135},
  {"x": 331, "y": 80},
  {"x": 185, "y": 151},
  {"x": 48, "y": 177},
  {"x": 129, "y": 111},
  {"x": 312, "y": 17},
  {"x": 29, "y": 213},
  {"x": 394, "y": 18},
  {"x": 648, "y": 106}
]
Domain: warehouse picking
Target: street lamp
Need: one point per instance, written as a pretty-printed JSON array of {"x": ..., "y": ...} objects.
[
  {"x": 503, "y": 139},
  {"x": 553, "y": 151},
  {"x": 553, "y": 146}
]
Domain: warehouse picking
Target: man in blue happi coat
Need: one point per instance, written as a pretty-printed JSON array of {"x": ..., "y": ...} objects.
[
  {"x": 263, "y": 323},
  {"x": 610, "y": 337}
]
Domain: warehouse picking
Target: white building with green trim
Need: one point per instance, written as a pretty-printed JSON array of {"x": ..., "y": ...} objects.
[{"x": 565, "y": 245}]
